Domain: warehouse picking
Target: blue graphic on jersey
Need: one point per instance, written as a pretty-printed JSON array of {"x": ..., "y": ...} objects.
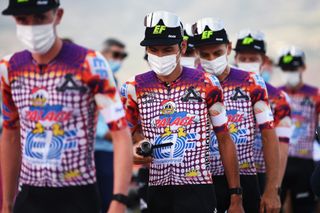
[
  {"x": 259, "y": 80},
  {"x": 214, "y": 150},
  {"x": 39, "y": 151},
  {"x": 100, "y": 67},
  {"x": 258, "y": 142},
  {"x": 239, "y": 136},
  {"x": 174, "y": 153},
  {"x": 300, "y": 126}
]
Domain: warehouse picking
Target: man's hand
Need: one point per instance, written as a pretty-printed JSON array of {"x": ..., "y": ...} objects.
[
  {"x": 270, "y": 201},
  {"x": 116, "y": 207},
  {"x": 236, "y": 204},
  {"x": 139, "y": 159}
]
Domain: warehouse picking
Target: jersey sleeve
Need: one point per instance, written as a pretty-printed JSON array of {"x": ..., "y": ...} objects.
[
  {"x": 100, "y": 79},
  {"x": 216, "y": 107},
  {"x": 260, "y": 103},
  {"x": 10, "y": 115},
  {"x": 318, "y": 106},
  {"x": 282, "y": 118},
  {"x": 129, "y": 100}
]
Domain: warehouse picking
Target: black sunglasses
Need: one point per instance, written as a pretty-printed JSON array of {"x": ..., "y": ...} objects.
[{"x": 119, "y": 55}]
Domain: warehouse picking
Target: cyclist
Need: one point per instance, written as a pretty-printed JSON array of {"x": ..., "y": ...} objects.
[
  {"x": 251, "y": 56},
  {"x": 305, "y": 106},
  {"x": 51, "y": 92},
  {"x": 189, "y": 58},
  {"x": 172, "y": 107},
  {"x": 247, "y": 106}
]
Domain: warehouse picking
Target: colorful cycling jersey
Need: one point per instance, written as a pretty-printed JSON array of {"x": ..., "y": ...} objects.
[
  {"x": 246, "y": 99},
  {"x": 282, "y": 120},
  {"x": 305, "y": 107},
  {"x": 177, "y": 114},
  {"x": 55, "y": 105}
]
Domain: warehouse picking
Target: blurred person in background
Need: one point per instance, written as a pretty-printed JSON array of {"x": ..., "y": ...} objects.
[
  {"x": 315, "y": 180},
  {"x": 305, "y": 108},
  {"x": 251, "y": 56},
  {"x": 267, "y": 69},
  {"x": 190, "y": 58},
  {"x": 247, "y": 104},
  {"x": 114, "y": 52},
  {"x": 51, "y": 92}
]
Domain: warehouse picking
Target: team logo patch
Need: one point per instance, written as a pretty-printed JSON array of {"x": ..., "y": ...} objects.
[
  {"x": 238, "y": 93},
  {"x": 71, "y": 84},
  {"x": 191, "y": 95}
]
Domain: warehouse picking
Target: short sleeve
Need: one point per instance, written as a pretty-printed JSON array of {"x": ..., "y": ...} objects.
[
  {"x": 260, "y": 102},
  {"x": 129, "y": 100},
  {"x": 282, "y": 117},
  {"x": 10, "y": 115},
  {"x": 214, "y": 100},
  {"x": 100, "y": 79}
]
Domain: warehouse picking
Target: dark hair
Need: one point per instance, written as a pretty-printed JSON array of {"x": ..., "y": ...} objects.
[{"x": 112, "y": 42}]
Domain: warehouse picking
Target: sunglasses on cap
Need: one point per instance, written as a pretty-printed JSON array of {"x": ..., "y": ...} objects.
[
  {"x": 169, "y": 19},
  {"x": 211, "y": 23},
  {"x": 119, "y": 55},
  {"x": 257, "y": 35},
  {"x": 293, "y": 51},
  {"x": 188, "y": 29}
]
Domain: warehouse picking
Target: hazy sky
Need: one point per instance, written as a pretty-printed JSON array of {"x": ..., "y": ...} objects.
[{"x": 90, "y": 22}]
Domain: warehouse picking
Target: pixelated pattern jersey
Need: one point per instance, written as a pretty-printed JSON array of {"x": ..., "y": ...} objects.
[
  {"x": 56, "y": 105},
  {"x": 305, "y": 107},
  {"x": 282, "y": 122},
  {"x": 246, "y": 99},
  {"x": 176, "y": 114}
]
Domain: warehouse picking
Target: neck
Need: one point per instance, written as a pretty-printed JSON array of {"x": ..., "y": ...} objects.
[
  {"x": 224, "y": 75},
  {"x": 173, "y": 76},
  {"x": 295, "y": 88},
  {"x": 50, "y": 55}
]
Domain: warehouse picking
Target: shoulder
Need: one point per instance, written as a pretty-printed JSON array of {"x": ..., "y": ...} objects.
[
  {"x": 241, "y": 75},
  {"x": 128, "y": 88},
  {"x": 312, "y": 90},
  {"x": 4, "y": 67},
  {"x": 97, "y": 64},
  {"x": 273, "y": 90},
  {"x": 257, "y": 80}
]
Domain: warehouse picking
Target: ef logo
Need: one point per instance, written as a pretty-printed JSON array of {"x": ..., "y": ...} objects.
[
  {"x": 206, "y": 34},
  {"x": 159, "y": 29}
]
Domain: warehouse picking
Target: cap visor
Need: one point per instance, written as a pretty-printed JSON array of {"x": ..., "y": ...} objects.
[
  {"x": 248, "y": 49},
  {"x": 27, "y": 11},
  {"x": 160, "y": 42},
  {"x": 209, "y": 42}
]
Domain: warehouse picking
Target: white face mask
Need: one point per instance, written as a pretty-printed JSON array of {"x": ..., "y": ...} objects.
[
  {"x": 162, "y": 66},
  {"x": 216, "y": 66},
  {"x": 188, "y": 62},
  {"x": 250, "y": 67},
  {"x": 37, "y": 38},
  {"x": 292, "y": 78}
]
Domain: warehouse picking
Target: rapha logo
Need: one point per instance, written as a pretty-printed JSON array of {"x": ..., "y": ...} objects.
[
  {"x": 238, "y": 93},
  {"x": 42, "y": 2},
  {"x": 71, "y": 84},
  {"x": 191, "y": 95},
  {"x": 147, "y": 98}
]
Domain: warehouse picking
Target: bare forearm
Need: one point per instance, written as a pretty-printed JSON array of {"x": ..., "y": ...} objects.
[
  {"x": 271, "y": 157},
  {"x": 229, "y": 160},
  {"x": 138, "y": 135},
  {"x": 10, "y": 164},
  {"x": 122, "y": 161},
  {"x": 283, "y": 147}
]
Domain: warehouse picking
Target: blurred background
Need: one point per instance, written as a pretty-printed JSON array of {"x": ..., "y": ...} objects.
[{"x": 89, "y": 23}]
